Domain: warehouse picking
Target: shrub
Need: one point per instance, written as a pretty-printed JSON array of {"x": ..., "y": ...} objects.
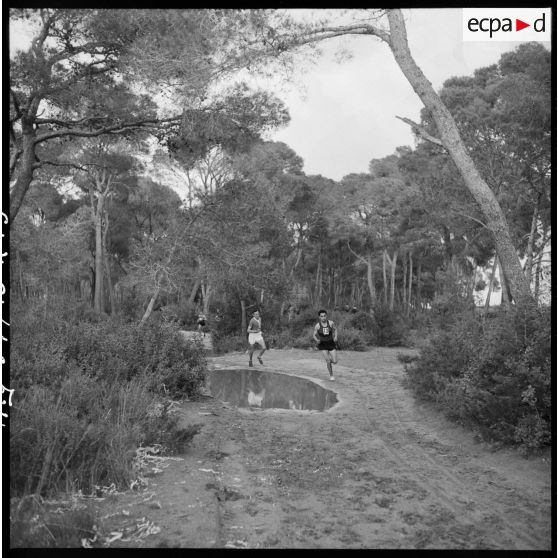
[
  {"x": 351, "y": 339},
  {"x": 83, "y": 395},
  {"x": 225, "y": 343},
  {"x": 304, "y": 341},
  {"x": 122, "y": 351},
  {"x": 391, "y": 328},
  {"x": 279, "y": 339},
  {"x": 304, "y": 321},
  {"x": 493, "y": 375},
  {"x": 362, "y": 321}
]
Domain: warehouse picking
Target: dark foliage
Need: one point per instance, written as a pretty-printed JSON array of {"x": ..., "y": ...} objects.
[{"x": 494, "y": 375}]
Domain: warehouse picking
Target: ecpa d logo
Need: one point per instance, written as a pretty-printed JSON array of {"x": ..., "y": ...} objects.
[{"x": 507, "y": 24}]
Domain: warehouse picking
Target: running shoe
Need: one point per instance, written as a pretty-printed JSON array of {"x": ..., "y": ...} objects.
[
  {"x": 332, "y": 378},
  {"x": 260, "y": 360},
  {"x": 250, "y": 363}
]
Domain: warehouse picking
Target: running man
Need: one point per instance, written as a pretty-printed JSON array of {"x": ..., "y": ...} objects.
[
  {"x": 325, "y": 335},
  {"x": 255, "y": 336}
]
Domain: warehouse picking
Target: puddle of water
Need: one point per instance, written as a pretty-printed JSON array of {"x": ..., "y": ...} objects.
[{"x": 269, "y": 390}]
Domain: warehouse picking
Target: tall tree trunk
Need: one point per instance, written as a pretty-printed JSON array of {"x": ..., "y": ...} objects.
[
  {"x": 404, "y": 288},
  {"x": 410, "y": 283},
  {"x": 531, "y": 244},
  {"x": 97, "y": 304},
  {"x": 194, "y": 292},
  {"x": 149, "y": 308},
  {"x": 370, "y": 280},
  {"x": 107, "y": 268},
  {"x": 538, "y": 271},
  {"x": 504, "y": 285},
  {"x": 101, "y": 188},
  {"x": 451, "y": 140},
  {"x": 319, "y": 281},
  {"x": 384, "y": 257},
  {"x": 27, "y": 162},
  {"x": 206, "y": 296},
  {"x": 419, "y": 284},
  {"x": 243, "y": 324},
  {"x": 490, "y": 284},
  {"x": 539, "y": 264},
  {"x": 473, "y": 282},
  {"x": 393, "y": 264}
]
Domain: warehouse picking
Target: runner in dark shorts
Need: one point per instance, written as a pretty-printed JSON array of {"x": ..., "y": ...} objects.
[{"x": 325, "y": 335}]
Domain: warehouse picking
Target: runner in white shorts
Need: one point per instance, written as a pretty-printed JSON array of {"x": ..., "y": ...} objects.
[{"x": 255, "y": 337}]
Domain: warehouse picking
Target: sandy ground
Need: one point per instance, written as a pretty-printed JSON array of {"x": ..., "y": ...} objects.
[{"x": 377, "y": 470}]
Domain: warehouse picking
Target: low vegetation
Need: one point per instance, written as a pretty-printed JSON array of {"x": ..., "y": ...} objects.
[{"x": 492, "y": 374}]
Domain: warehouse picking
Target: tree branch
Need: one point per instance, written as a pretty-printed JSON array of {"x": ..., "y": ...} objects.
[
  {"x": 115, "y": 129},
  {"x": 55, "y": 164},
  {"x": 355, "y": 254},
  {"x": 418, "y": 129},
  {"x": 331, "y": 32}
]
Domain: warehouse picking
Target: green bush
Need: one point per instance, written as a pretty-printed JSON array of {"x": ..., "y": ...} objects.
[{"x": 494, "y": 375}]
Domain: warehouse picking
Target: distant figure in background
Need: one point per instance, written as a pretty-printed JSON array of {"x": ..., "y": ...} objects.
[
  {"x": 325, "y": 335},
  {"x": 255, "y": 337},
  {"x": 202, "y": 322}
]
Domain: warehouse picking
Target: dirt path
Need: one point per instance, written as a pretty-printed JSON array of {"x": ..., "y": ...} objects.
[{"x": 377, "y": 470}]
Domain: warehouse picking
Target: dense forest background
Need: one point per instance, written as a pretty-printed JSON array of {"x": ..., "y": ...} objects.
[{"x": 143, "y": 192}]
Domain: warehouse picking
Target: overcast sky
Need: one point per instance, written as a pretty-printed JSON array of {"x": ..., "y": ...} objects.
[{"x": 347, "y": 115}]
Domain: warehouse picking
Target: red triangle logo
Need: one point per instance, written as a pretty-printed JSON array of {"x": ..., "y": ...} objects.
[{"x": 519, "y": 25}]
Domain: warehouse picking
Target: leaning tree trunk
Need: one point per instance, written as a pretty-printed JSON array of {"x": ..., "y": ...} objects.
[
  {"x": 451, "y": 140},
  {"x": 194, "y": 292},
  {"x": 504, "y": 285},
  {"x": 150, "y": 306}
]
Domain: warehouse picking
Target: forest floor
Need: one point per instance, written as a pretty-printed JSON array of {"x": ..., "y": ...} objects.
[{"x": 377, "y": 470}]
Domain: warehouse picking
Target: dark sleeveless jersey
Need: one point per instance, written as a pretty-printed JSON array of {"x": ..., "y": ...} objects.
[{"x": 325, "y": 332}]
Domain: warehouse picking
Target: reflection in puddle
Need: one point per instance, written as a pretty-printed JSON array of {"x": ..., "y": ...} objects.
[{"x": 268, "y": 390}]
